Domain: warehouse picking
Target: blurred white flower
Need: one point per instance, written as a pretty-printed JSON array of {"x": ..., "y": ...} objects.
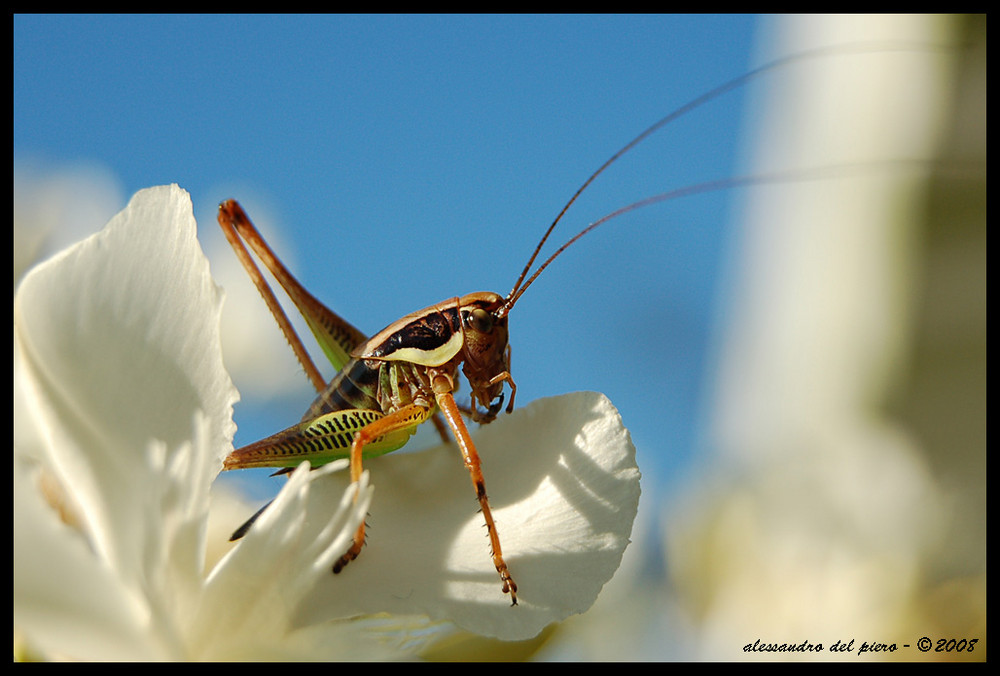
[
  {"x": 122, "y": 418},
  {"x": 55, "y": 206},
  {"x": 823, "y": 519}
]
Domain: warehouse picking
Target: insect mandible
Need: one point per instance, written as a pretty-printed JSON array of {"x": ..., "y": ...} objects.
[{"x": 407, "y": 374}]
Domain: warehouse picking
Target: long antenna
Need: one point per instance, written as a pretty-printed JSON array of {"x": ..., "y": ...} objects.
[{"x": 863, "y": 47}]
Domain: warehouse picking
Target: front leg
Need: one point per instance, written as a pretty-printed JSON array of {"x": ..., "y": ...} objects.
[{"x": 446, "y": 402}]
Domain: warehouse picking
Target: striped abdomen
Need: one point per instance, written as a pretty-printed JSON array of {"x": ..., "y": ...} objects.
[{"x": 356, "y": 386}]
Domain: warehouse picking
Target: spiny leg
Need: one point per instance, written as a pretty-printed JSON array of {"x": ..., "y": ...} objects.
[
  {"x": 446, "y": 402},
  {"x": 233, "y": 221},
  {"x": 406, "y": 417},
  {"x": 336, "y": 336}
]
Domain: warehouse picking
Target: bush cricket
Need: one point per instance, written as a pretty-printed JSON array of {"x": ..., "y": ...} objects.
[{"x": 407, "y": 374}]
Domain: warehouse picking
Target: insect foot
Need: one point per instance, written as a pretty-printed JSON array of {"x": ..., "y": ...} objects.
[
  {"x": 360, "y": 537},
  {"x": 509, "y": 586},
  {"x": 344, "y": 560}
]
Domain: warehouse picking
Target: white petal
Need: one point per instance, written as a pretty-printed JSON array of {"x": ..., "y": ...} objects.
[
  {"x": 65, "y": 600},
  {"x": 293, "y": 544},
  {"x": 117, "y": 339},
  {"x": 564, "y": 489}
]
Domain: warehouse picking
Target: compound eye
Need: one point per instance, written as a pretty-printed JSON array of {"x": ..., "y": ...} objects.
[{"x": 481, "y": 320}]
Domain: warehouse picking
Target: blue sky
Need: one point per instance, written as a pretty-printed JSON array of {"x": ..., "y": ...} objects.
[{"x": 410, "y": 159}]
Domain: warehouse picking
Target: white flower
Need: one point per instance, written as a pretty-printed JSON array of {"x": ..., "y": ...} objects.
[
  {"x": 824, "y": 520},
  {"x": 122, "y": 418}
]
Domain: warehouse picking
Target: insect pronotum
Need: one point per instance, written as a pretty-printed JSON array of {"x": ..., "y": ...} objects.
[{"x": 405, "y": 375}]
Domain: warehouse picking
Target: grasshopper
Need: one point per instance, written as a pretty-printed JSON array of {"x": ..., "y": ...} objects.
[
  {"x": 407, "y": 373},
  {"x": 390, "y": 384},
  {"x": 387, "y": 385}
]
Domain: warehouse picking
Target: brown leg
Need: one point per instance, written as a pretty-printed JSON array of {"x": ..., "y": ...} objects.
[
  {"x": 441, "y": 428},
  {"x": 336, "y": 336},
  {"x": 408, "y": 416},
  {"x": 446, "y": 402}
]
